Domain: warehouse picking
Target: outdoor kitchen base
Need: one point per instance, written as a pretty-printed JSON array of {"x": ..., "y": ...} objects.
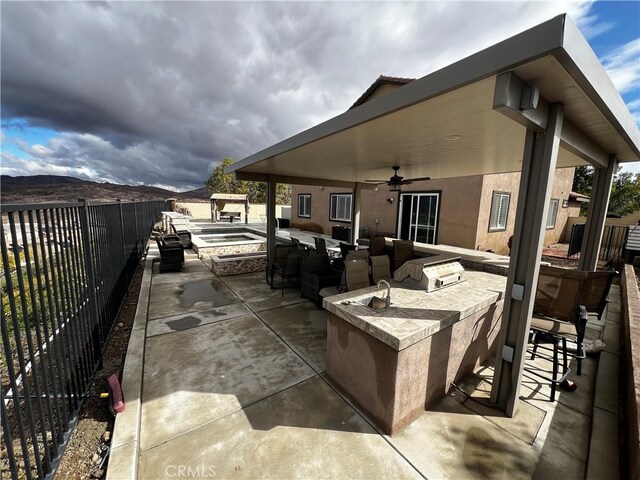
[{"x": 394, "y": 386}]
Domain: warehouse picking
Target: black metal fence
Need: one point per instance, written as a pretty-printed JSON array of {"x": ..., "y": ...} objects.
[
  {"x": 66, "y": 269},
  {"x": 611, "y": 247}
]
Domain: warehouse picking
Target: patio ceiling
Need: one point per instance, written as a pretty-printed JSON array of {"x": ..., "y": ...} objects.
[{"x": 445, "y": 124}]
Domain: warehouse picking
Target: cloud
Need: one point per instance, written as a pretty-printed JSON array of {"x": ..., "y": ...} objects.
[
  {"x": 159, "y": 92},
  {"x": 623, "y": 66}
]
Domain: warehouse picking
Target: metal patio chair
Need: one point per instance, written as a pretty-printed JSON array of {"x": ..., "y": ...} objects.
[
  {"x": 596, "y": 291},
  {"x": 290, "y": 272},
  {"x": 402, "y": 252},
  {"x": 356, "y": 273},
  {"x": 380, "y": 268},
  {"x": 279, "y": 261},
  {"x": 558, "y": 316},
  {"x": 317, "y": 273},
  {"x": 377, "y": 246}
]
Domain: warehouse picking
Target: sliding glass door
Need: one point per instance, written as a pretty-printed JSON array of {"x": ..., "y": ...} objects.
[{"x": 418, "y": 217}]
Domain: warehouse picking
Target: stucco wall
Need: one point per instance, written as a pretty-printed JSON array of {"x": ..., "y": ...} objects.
[
  {"x": 465, "y": 207},
  {"x": 509, "y": 182},
  {"x": 457, "y": 225},
  {"x": 458, "y": 216}
]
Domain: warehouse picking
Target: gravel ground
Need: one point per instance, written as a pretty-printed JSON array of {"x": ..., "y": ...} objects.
[{"x": 92, "y": 435}]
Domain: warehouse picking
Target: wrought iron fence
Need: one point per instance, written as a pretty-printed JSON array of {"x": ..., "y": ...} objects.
[
  {"x": 66, "y": 269},
  {"x": 611, "y": 247}
]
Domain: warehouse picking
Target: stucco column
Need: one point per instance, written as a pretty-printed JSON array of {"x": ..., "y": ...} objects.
[
  {"x": 271, "y": 220},
  {"x": 536, "y": 180},
  {"x": 597, "y": 215},
  {"x": 355, "y": 214}
]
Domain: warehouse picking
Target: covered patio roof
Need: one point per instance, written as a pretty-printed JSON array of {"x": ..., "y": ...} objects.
[
  {"x": 536, "y": 102},
  {"x": 466, "y": 119}
]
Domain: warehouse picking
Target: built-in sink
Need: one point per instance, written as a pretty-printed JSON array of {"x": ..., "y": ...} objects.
[{"x": 374, "y": 302}]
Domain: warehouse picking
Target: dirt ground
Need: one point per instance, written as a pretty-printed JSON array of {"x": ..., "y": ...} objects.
[{"x": 89, "y": 442}]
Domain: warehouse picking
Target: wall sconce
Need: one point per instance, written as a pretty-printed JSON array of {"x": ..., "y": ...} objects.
[{"x": 390, "y": 200}]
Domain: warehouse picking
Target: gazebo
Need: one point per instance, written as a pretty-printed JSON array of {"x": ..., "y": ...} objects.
[
  {"x": 219, "y": 200},
  {"x": 535, "y": 102}
]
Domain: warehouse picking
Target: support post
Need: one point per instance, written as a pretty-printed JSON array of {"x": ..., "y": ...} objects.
[
  {"x": 538, "y": 167},
  {"x": 355, "y": 214},
  {"x": 597, "y": 215},
  {"x": 271, "y": 220}
]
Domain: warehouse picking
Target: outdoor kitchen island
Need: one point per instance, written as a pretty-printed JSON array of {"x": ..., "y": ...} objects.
[{"x": 394, "y": 362}]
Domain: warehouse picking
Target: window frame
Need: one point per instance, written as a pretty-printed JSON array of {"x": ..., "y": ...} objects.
[
  {"x": 300, "y": 203},
  {"x": 336, "y": 219},
  {"x": 555, "y": 217},
  {"x": 494, "y": 195}
]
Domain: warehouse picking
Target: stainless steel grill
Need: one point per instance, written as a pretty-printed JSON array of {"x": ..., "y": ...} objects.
[{"x": 430, "y": 273}]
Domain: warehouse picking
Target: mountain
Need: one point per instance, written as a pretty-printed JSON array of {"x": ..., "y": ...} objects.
[{"x": 56, "y": 188}]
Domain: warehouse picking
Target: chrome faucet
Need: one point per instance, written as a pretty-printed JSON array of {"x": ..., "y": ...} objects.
[{"x": 388, "y": 299}]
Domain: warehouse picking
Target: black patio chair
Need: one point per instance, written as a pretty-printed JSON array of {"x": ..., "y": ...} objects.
[
  {"x": 321, "y": 246},
  {"x": 317, "y": 273},
  {"x": 279, "y": 261},
  {"x": 402, "y": 252},
  {"x": 290, "y": 272},
  {"x": 171, "y": 256},
  {"x": 345, "y": 248},
  {"x": 183, "y": 235},
  {"x": 377, "y": 246}
]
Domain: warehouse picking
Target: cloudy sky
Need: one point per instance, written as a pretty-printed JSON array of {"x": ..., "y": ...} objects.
[{"x": 158, "y": 93}]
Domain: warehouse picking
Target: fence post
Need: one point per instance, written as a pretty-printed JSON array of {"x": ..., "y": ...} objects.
[
  {"x": 93, "y": 300},
  {"x": 124, "y": 243},
  {"x": 135, "y": 216}
]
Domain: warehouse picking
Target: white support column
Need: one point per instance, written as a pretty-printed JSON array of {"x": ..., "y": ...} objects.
[
  {"x": 597, "y": 215},
  {"x": 355, "y": 214},
  {"x": 538, "y": 167},
  {"x": 271, "y": 220}
]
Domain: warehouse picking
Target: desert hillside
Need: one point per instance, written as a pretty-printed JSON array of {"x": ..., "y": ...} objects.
[{"x": 52, "y": 188}]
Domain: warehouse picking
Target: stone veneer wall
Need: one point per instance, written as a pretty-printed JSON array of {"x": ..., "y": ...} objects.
[
  {"x": 218, "y": 250},
  {"x": 631, "y": 367},
  {"x": 237, "y": 265}
]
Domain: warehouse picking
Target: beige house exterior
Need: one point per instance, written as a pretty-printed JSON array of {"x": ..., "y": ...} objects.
[{"x": 464, "y": 204}]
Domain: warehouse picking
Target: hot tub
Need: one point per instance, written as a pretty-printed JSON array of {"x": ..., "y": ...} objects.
[{"x": 227, "y": 243}]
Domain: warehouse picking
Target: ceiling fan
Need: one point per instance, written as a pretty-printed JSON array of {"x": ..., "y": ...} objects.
[{"x": 396, "y": 181}]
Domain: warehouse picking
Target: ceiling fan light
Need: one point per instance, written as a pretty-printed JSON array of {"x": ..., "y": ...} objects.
[{"x": 394, "y": 187}]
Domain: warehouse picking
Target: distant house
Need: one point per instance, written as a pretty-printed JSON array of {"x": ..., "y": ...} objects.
[{"x": 476, "y": 212}]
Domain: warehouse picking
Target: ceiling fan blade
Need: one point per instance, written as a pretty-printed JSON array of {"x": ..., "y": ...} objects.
[
  {"x": 375, "y": 181},
  {"x": 418, "y": 179}
]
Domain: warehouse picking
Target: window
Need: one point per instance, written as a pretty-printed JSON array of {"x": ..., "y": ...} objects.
[
  {"x": 340, "y": 207},
  {"x": 499, "y": 211},
  {"x": 552, "y": 213},
  {"x": 304, "y": 205}
]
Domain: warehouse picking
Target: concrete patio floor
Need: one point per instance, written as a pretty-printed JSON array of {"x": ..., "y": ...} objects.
[{"x": 230, "y": 383}]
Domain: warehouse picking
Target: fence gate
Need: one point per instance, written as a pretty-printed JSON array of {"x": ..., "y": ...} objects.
[{"x": 613, "y": 240}]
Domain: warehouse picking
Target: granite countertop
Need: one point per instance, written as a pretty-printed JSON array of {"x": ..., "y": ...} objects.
[{"x": 417, "y": 314}]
